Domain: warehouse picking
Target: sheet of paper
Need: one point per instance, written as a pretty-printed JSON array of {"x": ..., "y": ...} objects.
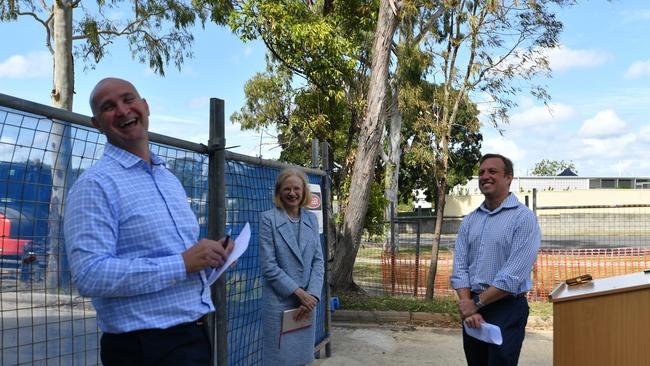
[
  {"x": 241, "y": 244},
  {"x": 489, "y": 333}
]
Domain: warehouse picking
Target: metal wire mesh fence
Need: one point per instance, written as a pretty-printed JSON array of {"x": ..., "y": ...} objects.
[
  {"x": 250, "y": 190},
  {"x": 43, "y": 319},
  {"x": 398, "y": 264},
  {"x": 601, "y": 240}
]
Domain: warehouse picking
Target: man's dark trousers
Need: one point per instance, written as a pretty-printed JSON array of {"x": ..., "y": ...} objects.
[
  {"x": 510, "y": 314},
  {"x": 184, "y": 344}
]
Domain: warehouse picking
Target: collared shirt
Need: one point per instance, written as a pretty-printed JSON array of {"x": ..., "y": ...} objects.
[
  {"x": 497, "y": 248},
  {"x": 126, "y": 224}
]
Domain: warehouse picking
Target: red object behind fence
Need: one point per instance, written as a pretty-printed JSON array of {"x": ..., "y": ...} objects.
[{"x": 9, "y": 246}]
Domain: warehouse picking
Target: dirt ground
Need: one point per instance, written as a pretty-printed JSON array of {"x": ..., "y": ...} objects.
[{"x": 377, "y": 345}]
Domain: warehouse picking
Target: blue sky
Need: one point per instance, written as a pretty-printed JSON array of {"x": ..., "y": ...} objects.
[{"x": 600, "y": 89}]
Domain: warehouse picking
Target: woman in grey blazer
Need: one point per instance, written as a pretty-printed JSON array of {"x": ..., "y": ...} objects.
[{"x": 292, "y": 268}]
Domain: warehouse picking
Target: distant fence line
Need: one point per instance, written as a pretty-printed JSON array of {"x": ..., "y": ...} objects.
[{"x": 608, "y": 241}]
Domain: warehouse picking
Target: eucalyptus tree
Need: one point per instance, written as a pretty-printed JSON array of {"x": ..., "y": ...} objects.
[
  {"x": 316, "y": 82},
  {"x": 157, "y": 32},
  {"x": 419, "y": 21},
  {"x": 368, "y": 148},
  {"x": 492, "y": 50},
  {"x": 420, "y": 134},
  {"x": 310, "y": 87}
]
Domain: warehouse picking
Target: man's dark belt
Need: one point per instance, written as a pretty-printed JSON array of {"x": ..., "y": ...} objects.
[{"x": 200, "y": 321}]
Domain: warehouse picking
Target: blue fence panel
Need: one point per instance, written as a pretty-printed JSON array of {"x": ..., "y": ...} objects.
[
  {"x": 56, "y": 326},
  {"x": 250, "y": 191}
]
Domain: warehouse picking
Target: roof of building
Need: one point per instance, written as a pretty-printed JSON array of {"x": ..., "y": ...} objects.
[{"x": 567, "y": 173}]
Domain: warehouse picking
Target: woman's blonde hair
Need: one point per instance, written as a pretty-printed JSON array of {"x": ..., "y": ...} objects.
[{"x": 286, "y": 173}]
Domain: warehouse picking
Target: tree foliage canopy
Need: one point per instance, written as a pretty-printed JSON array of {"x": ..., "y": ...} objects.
[
  {"x": 420, "y": 154},
  {"x": 316, "y": 77},
  {"x": 317, "y": 41},
  {"x": 547, "y": 167},
  {"x": 157, "y": 31}
]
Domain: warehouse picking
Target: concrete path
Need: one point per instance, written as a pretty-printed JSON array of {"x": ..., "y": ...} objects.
[{"x": 403, "y": 345}]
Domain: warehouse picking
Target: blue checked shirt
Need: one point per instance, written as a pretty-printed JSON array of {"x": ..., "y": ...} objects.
[
  {"x": 496, "y": 248},
  {"x": 126, "y": 224}
]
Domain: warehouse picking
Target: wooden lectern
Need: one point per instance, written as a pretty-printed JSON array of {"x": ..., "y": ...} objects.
[{"x": 603, "y": 322}]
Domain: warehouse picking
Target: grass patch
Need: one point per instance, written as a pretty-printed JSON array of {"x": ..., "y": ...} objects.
[
  {"x": 375, "y": 252},
  {"x": 369, "y": 272},
  {"x": 361, "y": 302},
  {"x": 443, "y": 305}
]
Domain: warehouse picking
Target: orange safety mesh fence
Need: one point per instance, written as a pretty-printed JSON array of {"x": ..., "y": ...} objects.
[
  {"x": 556, "y": 265},
  {"x": 401, "y": 271},
  {"x": 406, "y": 274}
]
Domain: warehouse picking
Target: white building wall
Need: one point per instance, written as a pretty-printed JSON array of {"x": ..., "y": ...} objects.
[{"x": 527, "y": 184}]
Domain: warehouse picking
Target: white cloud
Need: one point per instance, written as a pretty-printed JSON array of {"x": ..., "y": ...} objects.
[
  {"x": 563, "y": 58},
  {"x": 33, "y": 65},
  {"x": 638, "y": 69},
  {"x": 607, "y": 148},
  {"x": 248, "y": 51},
  {"x": 6, "y": 147},
  {"x": 644, "y": 133},
  {"x": 542, "y": 115},
  {"x": 603, "y": 124},
  {"x": 501, "y": 145},
  {"x": 622, "y": 165},
  {"x": 560, "y": 59}
]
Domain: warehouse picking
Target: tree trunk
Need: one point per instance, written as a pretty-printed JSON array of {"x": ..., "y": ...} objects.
[
  {"x": 58, "y": 275},
  {"x": 392, "y": 163},
  {"x": 441, "y": 168},
  {"x": 391, "y": 183},
  {"x": 435, "y": 247},
  {"x": 367, "y": 150}
]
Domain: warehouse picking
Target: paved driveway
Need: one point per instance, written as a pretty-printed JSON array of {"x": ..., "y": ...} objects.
[{"x": 377, "y": 345}]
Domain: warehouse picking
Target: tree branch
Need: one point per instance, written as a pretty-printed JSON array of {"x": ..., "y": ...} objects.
[
  {"x": 295, "y": 70},
  {"x": 427, "y": 27},
  {"x": 45, "y": 24},
  {"x": 33, "y": 15}
]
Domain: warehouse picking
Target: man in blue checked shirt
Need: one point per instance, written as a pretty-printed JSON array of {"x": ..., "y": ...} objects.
[
  {"x": 495, "y": 251},
  {"x": 132, "y": 242}
]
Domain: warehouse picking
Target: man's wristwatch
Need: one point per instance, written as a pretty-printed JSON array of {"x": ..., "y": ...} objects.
[{"x": 478, "y": 302}]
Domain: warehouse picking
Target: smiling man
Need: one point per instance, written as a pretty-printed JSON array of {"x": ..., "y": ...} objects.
[
  {"x": 495, "y": 251},
  {"x": 132, "y": 242}
]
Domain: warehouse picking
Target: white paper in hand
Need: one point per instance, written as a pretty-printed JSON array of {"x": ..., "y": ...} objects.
[
  {"x": 241, "y": 244},
  {"x": 489, "y": 333}
]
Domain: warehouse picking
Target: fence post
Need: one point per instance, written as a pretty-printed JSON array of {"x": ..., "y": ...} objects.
[
  {"x": 392, "y": 248},
  {"x": 314, "y": 153},
  {"x": 535, "y": 274},
  {"x": 417, "y": 256},
  {"x": 218, "y": 322},
  {"x": 326, "y": 194}
]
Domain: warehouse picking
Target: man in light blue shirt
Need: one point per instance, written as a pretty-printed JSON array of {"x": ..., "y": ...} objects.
[
  {"x": 132, "y": 242},
  {"x": 495, "y": 251}
]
